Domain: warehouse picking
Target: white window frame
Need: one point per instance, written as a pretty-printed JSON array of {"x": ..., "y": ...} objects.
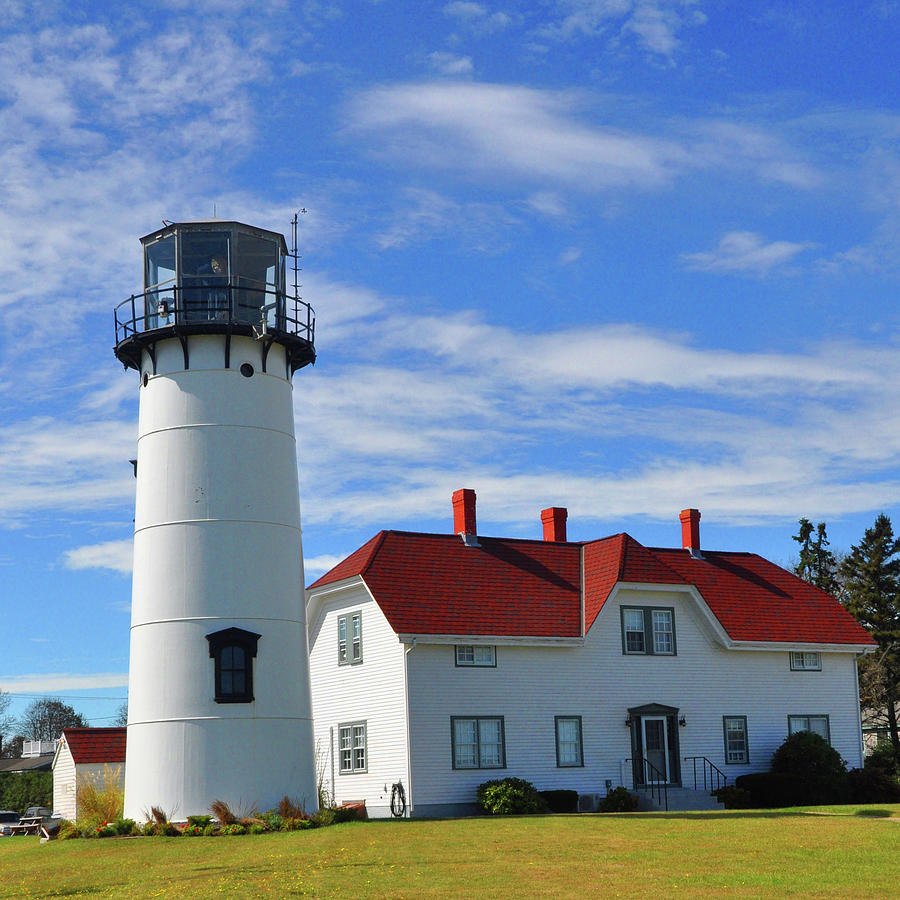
[
  {"x": 804, "y": 723},
  {"x": 734, "y": 756},
  {"x": 476, "y": 655},
  {"x": 657, "y": 631},
  {"x": 569, "y": 753},
  {"x": 806, "y": 661},
  {"x": 480, "y": 758},
  {"x": 353, "y": 752},
  {"x": 349, "y": 636}
]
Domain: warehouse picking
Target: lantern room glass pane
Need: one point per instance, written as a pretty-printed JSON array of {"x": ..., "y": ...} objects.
[
  {"x": 159, "y": 280},
  {"x": 256, "y": 274},
  {"x": 204, "y": 275}
]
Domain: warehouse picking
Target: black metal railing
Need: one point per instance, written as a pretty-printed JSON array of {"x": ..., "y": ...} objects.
[
  {"x": 649, "y": 779},
  {"x": 712, "y": 776},
  {"x": 224, "y": 304}
]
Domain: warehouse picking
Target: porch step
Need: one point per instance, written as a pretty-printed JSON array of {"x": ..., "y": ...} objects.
[{"x": 681, "y": 799}]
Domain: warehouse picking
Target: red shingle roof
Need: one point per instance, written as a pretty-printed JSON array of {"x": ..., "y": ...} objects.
[
  {"x": 434, "y": 584},
  {"x": 96, "y": 745}
]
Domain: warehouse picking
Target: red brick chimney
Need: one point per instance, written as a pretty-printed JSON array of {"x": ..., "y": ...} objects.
[
  {"x": 464, "y": 511},
  {"x": 554, "y": 520},
  {"x": 690, "y": 530}
]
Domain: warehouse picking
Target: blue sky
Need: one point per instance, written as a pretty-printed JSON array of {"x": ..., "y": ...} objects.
[{"x": 623, "y": 257}]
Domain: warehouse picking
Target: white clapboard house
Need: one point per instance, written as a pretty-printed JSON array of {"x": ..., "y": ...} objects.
[{"x": 440, "y": 661}]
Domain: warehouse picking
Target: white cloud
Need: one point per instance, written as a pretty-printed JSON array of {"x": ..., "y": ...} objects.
[
  {"x": 114, "y": 555},
  {"x": 511, "y": 131},
  {"x": 570, "y": 255},
  {"x": 318, "y": 565},
  {"x": 477, "y": 16},
  {"x": 56, "y": 682},
  {"x": 505, "y": 134},
  {"x": 548, "y": 203},
  {"x": 655, "y": 23},
  {"x": 448, "y": 64},
  {"x": 421, "y": 215},
  {"x": 745, "y": 252}
]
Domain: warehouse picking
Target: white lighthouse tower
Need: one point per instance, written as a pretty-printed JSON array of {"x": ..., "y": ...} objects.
[{"x": 219, "y": 700}]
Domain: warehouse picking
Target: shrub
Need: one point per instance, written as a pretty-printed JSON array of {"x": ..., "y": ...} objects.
[
  {"x": 323, "y": 818},
  {"x": 19, "y": 790},
  {"x": 125, "y": 827},
  {"x": 808, "y": 755},
  {"x": 105, "y": 829},
  {"x": 67, "y": 831},
  {"x": 732, "y": 797},
  {"x": 193, "y": 830},
  {"x": 100, "y": 798},
  {"x": 222, "y": 811},
  {"x": 272, "y": 820},
  {"x": 291, "y": 809},
  {"x": 210, "y": 830},
  {"x": 201, "y": 821},
  {"x": 257, "y": 828},
  {"x": 509, "y": 796},
  {"x": 777, "y": 789},
  {"x": 297, "y": 824},
  {"x": 619, "y": 800},
  {"x": 873, "y": 785},
  {"x": 233, "y": 828},
  {"x": 884, "y": 759},
  {"x": 560, "y": 801}
]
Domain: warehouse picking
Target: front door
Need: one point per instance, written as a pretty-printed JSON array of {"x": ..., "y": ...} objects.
[{"x": 656, "y": 748}]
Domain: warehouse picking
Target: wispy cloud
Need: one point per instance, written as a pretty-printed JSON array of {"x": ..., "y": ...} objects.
[
  {"x": 477, "y": 16},
  {"x": 449, "y": 64},
  {"x": 654, "y": 23},
  {"x": 318, "y": 565},
  {"x": 420, "y": 215},
  {"x": 114, "y": 555},
  {"x": 513, "y": 130},
  {"x": 56, "y": 682},
  {"x": 745, "y": 252},
  {"x": 545, "y": 139}
]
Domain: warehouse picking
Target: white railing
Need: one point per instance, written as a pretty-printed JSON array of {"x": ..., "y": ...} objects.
[{"x": 31, "y": 749}]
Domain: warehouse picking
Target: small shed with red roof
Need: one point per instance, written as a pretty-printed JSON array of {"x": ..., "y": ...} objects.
[
  {"x": 440, "y": 661},
  {"x": 83, "y": 755}
]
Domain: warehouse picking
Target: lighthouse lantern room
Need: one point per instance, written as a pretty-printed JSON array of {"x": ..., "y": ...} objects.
[{"x": 219, "y": 702}]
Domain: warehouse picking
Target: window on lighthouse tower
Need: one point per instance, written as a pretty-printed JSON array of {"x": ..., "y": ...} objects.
[{"x": 233, "y": 651}]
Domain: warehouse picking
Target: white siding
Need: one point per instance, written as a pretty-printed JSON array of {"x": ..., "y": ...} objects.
[
  {"x": 64, "y": 783},
  {"x": 371, "y": 691},
  {"x": 67, "y": 778},
  {"x": 531, "y": 685}
]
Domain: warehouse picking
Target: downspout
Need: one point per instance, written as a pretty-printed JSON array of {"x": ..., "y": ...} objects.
[
  {"x": 862, "y": 751},
  {"x": 410, "y": 803}
]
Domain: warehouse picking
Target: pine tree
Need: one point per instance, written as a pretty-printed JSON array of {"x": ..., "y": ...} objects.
[
  {"x": 871, "y": 575},
  {"x": 817, "y": 564}
]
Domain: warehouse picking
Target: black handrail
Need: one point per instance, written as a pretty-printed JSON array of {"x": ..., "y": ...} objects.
[
  {"x": 658, "y": 788},
  {"x": 218, "y": 304},
  {"x": 713, "y": 777}
]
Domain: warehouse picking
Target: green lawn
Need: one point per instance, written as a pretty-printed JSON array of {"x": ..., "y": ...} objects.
[{"x": 820, "y": 852}]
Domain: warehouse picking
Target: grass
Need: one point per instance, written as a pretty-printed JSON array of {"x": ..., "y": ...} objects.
[{"x": 815, "y": 852}]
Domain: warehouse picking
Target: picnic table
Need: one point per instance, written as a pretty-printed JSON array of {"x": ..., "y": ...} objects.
[{"x": 30, "y": 825}]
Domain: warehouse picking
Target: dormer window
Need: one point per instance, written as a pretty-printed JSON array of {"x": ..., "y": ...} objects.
[{"x": 233, "y": 651}]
